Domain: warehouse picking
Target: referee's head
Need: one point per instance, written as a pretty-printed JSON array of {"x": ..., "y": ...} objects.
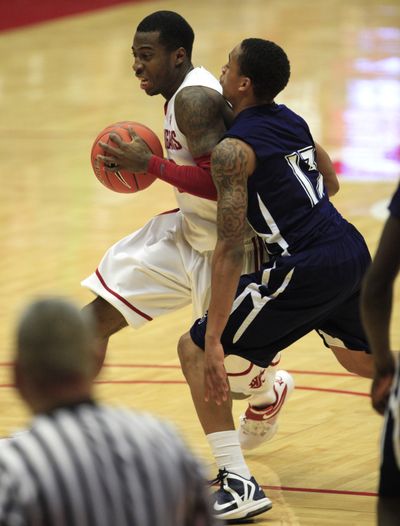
[{"x": 55, "y": 354}]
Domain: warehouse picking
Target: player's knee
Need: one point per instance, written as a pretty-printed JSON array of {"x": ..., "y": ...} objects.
[{"x": 188, "y": 354}]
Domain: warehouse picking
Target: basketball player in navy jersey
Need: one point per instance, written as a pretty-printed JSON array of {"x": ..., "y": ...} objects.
[
  {"x": 377, "y": 301},
  {"x": 266, "y": 174}
]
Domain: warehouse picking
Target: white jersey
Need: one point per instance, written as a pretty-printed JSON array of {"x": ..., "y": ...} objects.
[
  {"x": 166, "y": 264},
  {"x": 199, "y": 215}
]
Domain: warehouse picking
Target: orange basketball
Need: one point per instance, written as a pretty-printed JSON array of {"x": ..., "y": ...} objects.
[{"x": 124, "y": 181}]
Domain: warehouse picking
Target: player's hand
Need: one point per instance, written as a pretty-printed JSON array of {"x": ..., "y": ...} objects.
[
  {"x": 380, "y": 390},
  {"x": 216, "y": 385},
  {"x": 133, "y": 156}
]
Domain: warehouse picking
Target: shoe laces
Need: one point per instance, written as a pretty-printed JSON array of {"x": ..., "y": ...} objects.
[{"x": 220, "y": 478}]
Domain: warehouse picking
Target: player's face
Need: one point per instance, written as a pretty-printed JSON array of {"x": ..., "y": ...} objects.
[
  {"x": 230, "y": 78},
  {"x": 153, "y": 65}
]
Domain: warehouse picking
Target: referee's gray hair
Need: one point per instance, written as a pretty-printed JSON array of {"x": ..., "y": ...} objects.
[{"x": 54, "y": 337}]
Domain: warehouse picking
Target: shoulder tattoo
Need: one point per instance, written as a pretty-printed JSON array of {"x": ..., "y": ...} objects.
[{"x": 196, "y": 107}]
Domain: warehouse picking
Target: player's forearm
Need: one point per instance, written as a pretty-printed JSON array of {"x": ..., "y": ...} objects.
[
  {"x": 195, "y": 180},
  {"x": 376, "y": 306},
  {"x": 377, "y": 293},
  {"x": 326, "y": 168},
  {"x": 226, "y": 270}
]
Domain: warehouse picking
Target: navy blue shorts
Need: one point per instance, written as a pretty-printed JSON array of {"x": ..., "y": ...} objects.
[
  {"x": 315, "y": 289},
  {"x": 389, "y": 482}
]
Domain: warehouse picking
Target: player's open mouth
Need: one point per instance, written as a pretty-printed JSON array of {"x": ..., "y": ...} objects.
[{"x": 144, "y": 84}]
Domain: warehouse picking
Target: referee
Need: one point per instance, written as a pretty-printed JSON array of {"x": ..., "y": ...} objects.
[{"x": 81, "y": 463}]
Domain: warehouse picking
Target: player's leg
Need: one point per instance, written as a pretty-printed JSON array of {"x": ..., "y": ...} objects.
[
  {"x": 239, "y": 496},
  {"x": 108, "y": 321},
  {"x": 356, "y": 362},
  {"x": 141, "y": 277},
  {"x": 212, "y": 417},
  {"x": 273, "y": 308},
  {"x": 342, "y": 331}
]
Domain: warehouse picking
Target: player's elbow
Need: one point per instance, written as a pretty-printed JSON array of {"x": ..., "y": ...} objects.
[
  {"x": 332, "y": 184},
  {"x": 234, "y": 252}
]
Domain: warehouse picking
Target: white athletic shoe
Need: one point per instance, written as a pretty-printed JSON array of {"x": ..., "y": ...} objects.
[
  {"x": 259, "y": 425},
  {"x": 238, "y": 498}
]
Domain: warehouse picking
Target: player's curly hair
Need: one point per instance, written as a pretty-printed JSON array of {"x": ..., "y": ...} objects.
[
  {"x": 175, "y": 32},
  {"x": 266, "y": 64}
]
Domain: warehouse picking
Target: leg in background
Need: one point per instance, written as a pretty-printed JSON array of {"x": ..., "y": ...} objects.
[{"x": 356, "y": 362}]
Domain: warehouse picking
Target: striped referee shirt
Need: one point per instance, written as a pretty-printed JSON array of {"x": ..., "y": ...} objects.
[{"x": 91, "y": 465}]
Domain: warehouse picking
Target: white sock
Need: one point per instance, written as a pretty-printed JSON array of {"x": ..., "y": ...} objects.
[{"x": 227, "y": 452}]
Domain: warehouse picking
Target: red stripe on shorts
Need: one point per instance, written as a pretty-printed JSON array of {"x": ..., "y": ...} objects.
[{"x": 146, "y": 316}]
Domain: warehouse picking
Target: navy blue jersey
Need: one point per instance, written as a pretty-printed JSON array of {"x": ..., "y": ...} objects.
[
  {"x": 287, "y": 203},
  {"x": 394, "y": 206},
  {"x": 312, "y": 279}
]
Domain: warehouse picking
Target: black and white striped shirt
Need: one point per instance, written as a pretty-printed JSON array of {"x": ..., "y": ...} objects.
[{"x": 92, "y": 465}]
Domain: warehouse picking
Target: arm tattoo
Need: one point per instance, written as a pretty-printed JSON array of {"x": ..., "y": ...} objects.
[
  {"x": 200, "y": 117},
  {"x": 229, "y": 166}
]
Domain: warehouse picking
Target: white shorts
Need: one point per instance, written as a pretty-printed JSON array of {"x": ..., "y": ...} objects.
[{"x": 155, "y": 271}]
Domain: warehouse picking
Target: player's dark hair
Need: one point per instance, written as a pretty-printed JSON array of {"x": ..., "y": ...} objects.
[
  {"x": 266, "y": 64},
  {"x": 174, "y": 31}
]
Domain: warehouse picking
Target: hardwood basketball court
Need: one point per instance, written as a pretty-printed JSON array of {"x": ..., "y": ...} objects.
[{"x": 62, "y": 81}]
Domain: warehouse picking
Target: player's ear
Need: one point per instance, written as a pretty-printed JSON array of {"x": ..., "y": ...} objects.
[
  {"x": 180, "y": 56},
  {"x": 245, "y": 84}
]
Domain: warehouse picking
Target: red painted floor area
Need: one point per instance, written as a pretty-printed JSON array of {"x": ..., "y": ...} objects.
[{"x": 17, "y": 13}]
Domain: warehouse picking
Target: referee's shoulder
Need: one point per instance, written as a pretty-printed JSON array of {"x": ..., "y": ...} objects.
[
  {"x": 144, "y": 419},
  {"x": 149, "y": 429}
]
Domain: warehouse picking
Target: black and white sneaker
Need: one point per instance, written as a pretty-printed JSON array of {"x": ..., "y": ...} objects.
[{"x": 237, "y": 497}]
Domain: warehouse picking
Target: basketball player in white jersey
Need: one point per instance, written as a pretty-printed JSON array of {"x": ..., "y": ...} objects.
[{"x": 166, "y": 264}]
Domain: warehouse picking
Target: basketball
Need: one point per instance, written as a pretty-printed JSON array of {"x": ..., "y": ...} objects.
[{"x": 124, "y": 181}]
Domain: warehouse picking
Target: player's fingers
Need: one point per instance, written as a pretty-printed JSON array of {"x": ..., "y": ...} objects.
[
  {"x": 379, "y": 406},
  {"x": 114, "y": 137},
  {"x": 223, "y": 391},
  {"x": 109, "y": 149},
  {"x": 210, "y": 391},
  {"x": 217, "y": 389},
  {"x": 132, "y": 132},
  {"x": 208, "y": 387},
  {"x": 109, "y": 162},
  {"x": 380, "y": 401},
  {"x": 136, "y": 138},
  {"x": 380, "y": 392}
]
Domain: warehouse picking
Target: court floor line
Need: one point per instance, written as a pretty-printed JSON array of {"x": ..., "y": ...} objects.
[
  {"x": 320, "y": 490},
  {"x": 172, "y": 366},
  {"x": 183, "y": 382}
]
